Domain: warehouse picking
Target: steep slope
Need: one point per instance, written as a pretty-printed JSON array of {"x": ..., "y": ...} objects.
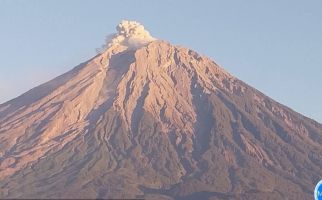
[{"x": 146, "y": 119}]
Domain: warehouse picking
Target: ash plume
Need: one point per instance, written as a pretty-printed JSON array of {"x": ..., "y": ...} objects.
[{"x": 129, "y": 33}]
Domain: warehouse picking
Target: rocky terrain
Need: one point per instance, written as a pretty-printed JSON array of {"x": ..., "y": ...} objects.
[{"x": 148, "y": 119}]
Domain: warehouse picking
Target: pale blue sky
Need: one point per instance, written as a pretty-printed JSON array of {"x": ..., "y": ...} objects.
[{"x": 275, "y": 46}]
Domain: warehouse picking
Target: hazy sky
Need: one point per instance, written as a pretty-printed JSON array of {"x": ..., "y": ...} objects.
[{"x": 275, "y": 46}]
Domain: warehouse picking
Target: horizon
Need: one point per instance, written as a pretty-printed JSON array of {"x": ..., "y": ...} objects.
[{"x": 273, "y": 45}]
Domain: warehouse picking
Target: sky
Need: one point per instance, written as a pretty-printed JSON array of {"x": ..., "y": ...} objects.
[{"x": 274, "y": 46}]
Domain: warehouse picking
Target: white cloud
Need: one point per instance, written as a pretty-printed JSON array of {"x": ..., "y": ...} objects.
[{"x": 129, "y": 33}]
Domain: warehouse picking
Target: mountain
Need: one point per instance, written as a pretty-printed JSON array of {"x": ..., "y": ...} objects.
[{"x": 147, "y": 119}]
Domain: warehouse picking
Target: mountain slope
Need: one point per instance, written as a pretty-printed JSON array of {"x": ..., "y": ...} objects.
[{"x": 153, "y": 120}]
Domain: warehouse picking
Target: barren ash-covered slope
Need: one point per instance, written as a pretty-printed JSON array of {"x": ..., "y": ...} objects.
[{"x": 147, "y": 119}]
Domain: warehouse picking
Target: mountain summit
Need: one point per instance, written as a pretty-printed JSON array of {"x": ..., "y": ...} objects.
[{"x": 147, "y": 119}]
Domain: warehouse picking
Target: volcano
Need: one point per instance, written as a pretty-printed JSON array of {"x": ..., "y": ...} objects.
[{"x": 148, "y": 119}]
